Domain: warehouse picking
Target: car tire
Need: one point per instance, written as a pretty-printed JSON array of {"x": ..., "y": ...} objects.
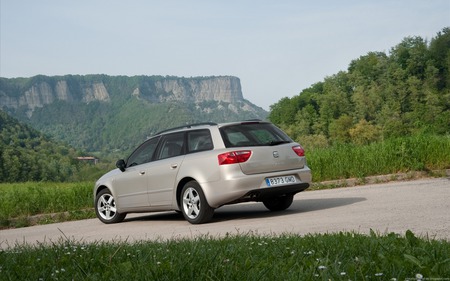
[
  {"x": 279, "y": 203},
  {"x": 105, "y": 208},
  {"x": 194, "y": 206}
]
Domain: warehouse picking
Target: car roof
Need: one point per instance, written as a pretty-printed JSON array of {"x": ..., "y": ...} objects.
[{"x": 208, "y": 124}]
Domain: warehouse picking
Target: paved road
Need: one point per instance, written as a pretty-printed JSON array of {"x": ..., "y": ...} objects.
[{"x": 422, "y": 206}]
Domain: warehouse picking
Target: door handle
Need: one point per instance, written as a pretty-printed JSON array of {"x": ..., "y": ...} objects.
[
  {"x": 174, "y": 166},
  {"x": 142, "y": 173}
]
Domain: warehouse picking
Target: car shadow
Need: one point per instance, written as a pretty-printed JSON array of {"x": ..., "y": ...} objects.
[
  {"x": 156, "y": 216},
  {"x": 258, "y": 210},
  {"x": 254, "y": 210}
]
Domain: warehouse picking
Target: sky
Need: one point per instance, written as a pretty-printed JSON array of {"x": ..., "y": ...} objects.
[{"x": 276, "y": 48}]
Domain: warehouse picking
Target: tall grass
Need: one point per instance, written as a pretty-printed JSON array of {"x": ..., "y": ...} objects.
[
  {"x": 20, "y": 201},
  {"x": 340, "y": 256},
  {"x": 415, "y": 153}
]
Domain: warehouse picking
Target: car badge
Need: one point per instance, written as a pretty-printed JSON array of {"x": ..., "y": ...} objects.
[{"x": 275, "y": 154}]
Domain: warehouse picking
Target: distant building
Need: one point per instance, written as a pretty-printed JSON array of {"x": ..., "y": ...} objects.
[{"x": 88, "y": 159}]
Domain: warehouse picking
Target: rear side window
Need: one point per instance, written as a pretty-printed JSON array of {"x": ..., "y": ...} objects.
[
  {"x": 253, "y": 134},
  {"x": 199, "y": 140}
]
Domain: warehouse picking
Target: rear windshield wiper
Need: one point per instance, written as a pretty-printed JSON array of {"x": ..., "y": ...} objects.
[{"x": 277, "y": 142}]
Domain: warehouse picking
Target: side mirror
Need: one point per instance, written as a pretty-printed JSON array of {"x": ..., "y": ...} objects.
[{"x": 121, "y": 165}]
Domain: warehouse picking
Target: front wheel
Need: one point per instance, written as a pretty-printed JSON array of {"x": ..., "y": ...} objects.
[
  {"x": 194, "y": 207},
  {"x": 279, "y": 203},
  {"x": 105, "y": 208}
]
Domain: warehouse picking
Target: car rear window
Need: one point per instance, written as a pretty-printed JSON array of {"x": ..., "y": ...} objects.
[{"x": 253, "y": 134}]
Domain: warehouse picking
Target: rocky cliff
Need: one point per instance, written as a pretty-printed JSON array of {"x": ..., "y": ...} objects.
[
  {"x": 226, "y": 89},
  {"x": 36, "y": 92},
  {"x": 45, "y": 92}
]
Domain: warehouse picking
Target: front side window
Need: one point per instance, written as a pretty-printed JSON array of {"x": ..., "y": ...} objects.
[
  {"x": 144, "y": 153},
  {"x": 253, "y": 134}
]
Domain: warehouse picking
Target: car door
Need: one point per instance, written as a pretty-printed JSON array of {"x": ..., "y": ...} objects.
[
  {"x": 131, "y": 186},
  {"x": 163, "y": 171}
]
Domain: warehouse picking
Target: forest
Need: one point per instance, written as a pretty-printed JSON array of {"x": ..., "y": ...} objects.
[
  {"x": 28, "y": 155},
  {"x": 402, "y": 93}
]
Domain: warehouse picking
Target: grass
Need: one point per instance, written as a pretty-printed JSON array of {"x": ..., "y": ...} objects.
[
  {"x": 23, "y": 204},
  {"x": 339, "y": 256},
  {"x": 416, "y": 153}
]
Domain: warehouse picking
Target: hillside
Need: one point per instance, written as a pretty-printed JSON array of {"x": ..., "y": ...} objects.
[
  {"x": 106, "y": 114},
  {"x": 27, "y": 155},
  {"x": 405, "y": 92}
]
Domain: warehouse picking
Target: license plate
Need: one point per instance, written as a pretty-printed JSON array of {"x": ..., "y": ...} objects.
[{"x": 280, "y": 180}]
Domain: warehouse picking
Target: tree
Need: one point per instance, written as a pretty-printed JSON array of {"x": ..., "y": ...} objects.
[
  {"x": 340, "y": 128},
  {"x": 364, "y": 133},
  {"x": 440, "y": 56}
]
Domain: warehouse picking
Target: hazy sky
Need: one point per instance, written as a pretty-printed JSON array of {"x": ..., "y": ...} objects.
[{"x": 276, "y": 48}]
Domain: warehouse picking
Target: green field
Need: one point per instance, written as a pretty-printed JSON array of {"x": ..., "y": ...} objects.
[{"x": 24, "y": 204}]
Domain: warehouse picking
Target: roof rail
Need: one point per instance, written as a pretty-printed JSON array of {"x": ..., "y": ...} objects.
[
  {"x": 253, "y": 120},
  {"x": 187, "y": 127}
]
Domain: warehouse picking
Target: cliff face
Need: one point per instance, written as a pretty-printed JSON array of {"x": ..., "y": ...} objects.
[
  {"x": 41, "y": 91},
  {"x": 226, "y": 89}
]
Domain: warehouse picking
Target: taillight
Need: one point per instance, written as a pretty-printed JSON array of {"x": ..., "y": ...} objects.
[
  {"x": 234, "y": 157},
  {"x": 299, "y": 150}
]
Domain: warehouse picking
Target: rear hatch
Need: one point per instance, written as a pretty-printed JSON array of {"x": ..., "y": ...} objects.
[
  {"x": 265, "y": 159},
  {"x": 271, "y": 149}
]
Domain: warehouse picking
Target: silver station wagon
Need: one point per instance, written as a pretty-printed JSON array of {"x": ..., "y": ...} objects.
[{"x": 197, "y": 168}]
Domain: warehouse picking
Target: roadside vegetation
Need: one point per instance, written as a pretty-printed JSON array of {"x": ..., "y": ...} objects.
[
  {"x": 29, "y": 203},
  {"x": 339, "y": 256},
  {"x": 426, "y": 153}
]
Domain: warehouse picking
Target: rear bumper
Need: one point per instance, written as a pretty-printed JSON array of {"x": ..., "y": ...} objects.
[
  {"x": 242, "y": 188},
  {"x": 262, "y": 194}
]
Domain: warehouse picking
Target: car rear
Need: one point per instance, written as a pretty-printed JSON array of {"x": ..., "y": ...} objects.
[{"x": 258, "y": 161}]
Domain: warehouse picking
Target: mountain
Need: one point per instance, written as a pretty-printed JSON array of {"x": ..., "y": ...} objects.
[{"x": 114, "y": 113}]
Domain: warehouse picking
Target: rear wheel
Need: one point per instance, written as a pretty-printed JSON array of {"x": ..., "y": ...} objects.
[
  {"x": 194, "y": 207},
  {"x": 279, "y": 203},
  {"x": 105, "y": 208}
]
